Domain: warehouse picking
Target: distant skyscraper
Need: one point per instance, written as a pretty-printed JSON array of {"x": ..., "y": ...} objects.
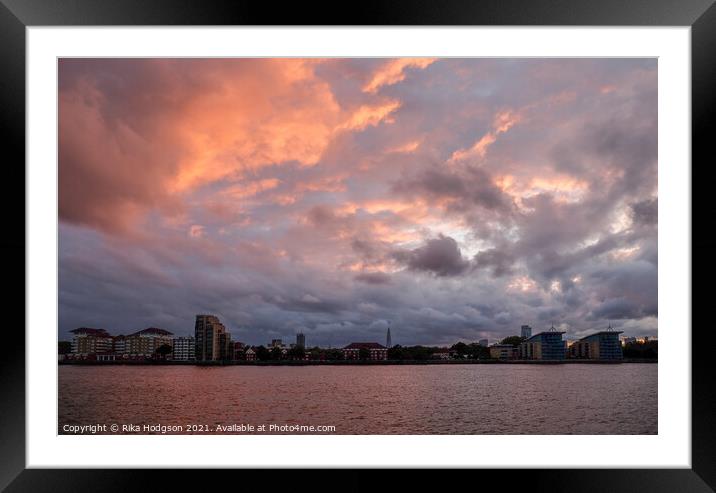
[
  {"x": 300, "y": 340},
  {"x": 388, "y": 340},
  {"x": 483, "y": 342},
  {"x": 212, "y": 341},
  {"x": 526, "y": 331}
]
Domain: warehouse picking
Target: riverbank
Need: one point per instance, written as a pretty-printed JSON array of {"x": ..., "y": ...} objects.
[{"x": 353, "y": 362}]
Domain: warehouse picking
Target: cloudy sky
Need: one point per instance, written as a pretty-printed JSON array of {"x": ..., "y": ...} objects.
[{"x": 454, "y": 199}]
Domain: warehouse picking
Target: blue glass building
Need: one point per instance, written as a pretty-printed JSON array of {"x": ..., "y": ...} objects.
[{"x": 546, "y": 345}]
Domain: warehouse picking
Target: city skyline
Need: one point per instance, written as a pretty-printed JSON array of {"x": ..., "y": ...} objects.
[
  {"x": 299, "y": 336},
  {"x": 450, "y": 199},
  {"x": 213, "y": 344}
]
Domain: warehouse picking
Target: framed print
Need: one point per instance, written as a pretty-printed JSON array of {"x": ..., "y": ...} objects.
[{"x": 420, "y": 239}]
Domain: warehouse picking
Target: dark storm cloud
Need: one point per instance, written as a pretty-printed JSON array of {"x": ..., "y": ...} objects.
[
  {"x": 440, "y": 256},
  {"x": 645, "y": 212},
  {"x": 634, "y": 285},
  {"x": 373, "y": 278},
  {"x": 465, "y": 189},
  {"x": 498, "y": 260},
  {"x": 310, "y": 303},
  {"x": 617, "y": 308}
]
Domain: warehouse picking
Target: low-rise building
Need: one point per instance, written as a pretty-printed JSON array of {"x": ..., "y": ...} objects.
[
  {"x": 250, "y": 355},
  {"x": 239, "y": 350},
  {"x": 546, "y": 345},
  {"x": 374, "y": 350},
  {"x": 87, "y": 340},
  {"x": 503, "y": 351},
  {"x": 441, "y": 353},
  {"x": 145, "y": 342}
]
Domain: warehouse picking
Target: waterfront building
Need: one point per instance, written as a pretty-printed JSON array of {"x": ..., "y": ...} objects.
[
  {"x": 483, "y": 342},
  {"x": 183, "y": 349},
  {"x": 503, "y": 351},
  {"x": 602, "y": 345},
  {"x": 239, "y": 350},
  {"x": 145, "y": 342},
  {"x": 300, "y": 340},
  {"x": 375, "y": 351},
  {"x": 211, "y": 340},
  {"x": 441, "y": 353},
  {"x": 226, "y": 347},
  {"x": 87, "y": 340},
  {"x": 250, "y": 355},
  {"x": 628, "y": 340},
  {"x": 276, "y": 343},
  {"x": 119, "y": 344},
  {"x": 526, "y": 331},
  {"x": 546, "y": 345}
]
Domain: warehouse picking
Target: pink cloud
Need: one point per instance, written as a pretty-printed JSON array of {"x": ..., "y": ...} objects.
[{"x": 393, "y": 71}]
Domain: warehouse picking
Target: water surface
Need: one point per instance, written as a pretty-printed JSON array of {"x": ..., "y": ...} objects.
[{"x": 421, "y": 399}]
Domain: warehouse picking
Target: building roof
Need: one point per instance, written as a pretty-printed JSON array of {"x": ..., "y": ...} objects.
[
  {"x": 503, "y": 345},
  {"x": 364, "y": 345},
  {"x": 545, "y": 332},
  {"x": 90, "y": 331},
  {"x": 615, "y": 332},
  {"x": 152, "y": 331}
]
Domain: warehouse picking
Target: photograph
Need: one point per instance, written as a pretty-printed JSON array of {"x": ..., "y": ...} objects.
[{"x": 358, "y": 246}]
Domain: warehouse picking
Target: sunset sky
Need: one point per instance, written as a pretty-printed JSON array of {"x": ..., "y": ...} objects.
[{"x": 454, "y": 199}]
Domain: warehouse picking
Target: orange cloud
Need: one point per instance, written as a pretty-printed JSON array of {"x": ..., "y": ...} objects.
[
  {"x": 393, "y": 72},
  {"x": 333, "y": 184},
  {"x": 327, "y": 184},
  {"x": 367, "y": 115},
  {"x": 406, "y": 148},
  {"x": 196, "y": 231},
  {"x": 279, "y": 113},
  {"x": 276, "y": 112},
  {"x": 249, "y": 189},
  {"x": 479, "y": 148},
  {"x": 194, "y": 122},
  {"x": 412, "y": 210},
  {"x": 504, "y": 120},
  {"x": 564, "y": 188},
  {"x": 501, "y": 123}
]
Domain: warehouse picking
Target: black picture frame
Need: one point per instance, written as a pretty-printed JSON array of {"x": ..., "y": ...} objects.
[{"x": 16, "y": 15}]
